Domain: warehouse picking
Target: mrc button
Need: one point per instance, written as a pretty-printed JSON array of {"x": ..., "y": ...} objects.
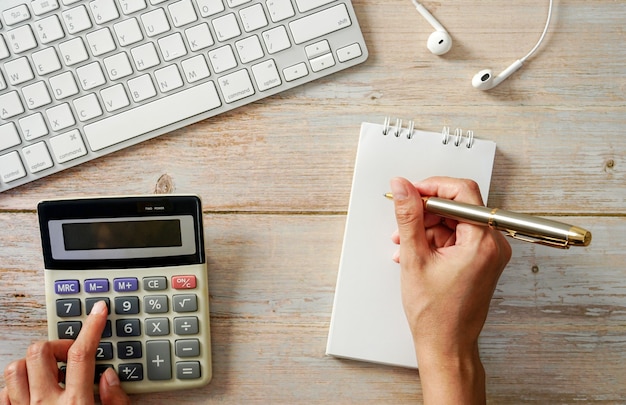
[{"x": 66, "y": 287}]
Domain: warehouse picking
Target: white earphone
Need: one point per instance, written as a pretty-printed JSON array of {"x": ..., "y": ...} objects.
[{"x": 440, "y": 42}]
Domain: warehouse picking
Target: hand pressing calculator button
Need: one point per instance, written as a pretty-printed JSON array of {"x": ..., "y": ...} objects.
[{"x": 143, "y": 256}]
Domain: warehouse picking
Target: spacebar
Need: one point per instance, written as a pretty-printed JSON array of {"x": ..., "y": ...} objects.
[{"x": 151, "y": 116}]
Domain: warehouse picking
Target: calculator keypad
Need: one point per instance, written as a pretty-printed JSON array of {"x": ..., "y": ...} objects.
[{"x": 154, "y": 331}]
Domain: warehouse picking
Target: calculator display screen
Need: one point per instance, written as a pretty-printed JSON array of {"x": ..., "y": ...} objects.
[
  {"x": 122, "y": 235},
  {"x": 122, "y": 238}
]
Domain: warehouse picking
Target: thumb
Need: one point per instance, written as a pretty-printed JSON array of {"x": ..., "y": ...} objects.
[
  {"x": 111, "y": 393},
  {"x": 410, "y": 218}
]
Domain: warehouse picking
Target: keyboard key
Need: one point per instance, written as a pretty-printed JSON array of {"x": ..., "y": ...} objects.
[
  {"x": 46, "y": 61},
  {"x": 90, "y": 302},
  {"x": 222, "y": 59},
  {"x": 126, "y": 284},
  {"x": 157, "y": 326},
  {"x": 187, "y": 348},
  {"x": 49, "y": 29},
  {"x": 226, "y": 27},
  {"x": 319, "y": 24},
  {"x": 317, "y": 49},
  {"x": 253, "y": 17},
  {"x": 63, "y": 86},
  {"x": 145, "y": 56},
  {"x": 104, "y": 351},
  {"x": 276, "y": 39},
  {"x": 249, "y": 49},
  {"x": 100, "y": 42},
  {"x": 129, "y": 350},
  {"x": 155, "y": 22},
  {"x": 186, "y": 325},
  {"x": 306, "y": 5},
  {"x": 141, "y": 88},
  {"x": 172, "y": 47},
  {"x": 188, "y": 370},
  {"x": 67, "y": 146},
  {"x": 4, "y": 50},
  {"x": 18, "y": 71},
  {"x": 130, "y": 372},
  {"x": 33, "y": 126},
  {"x": 195, "y": 69},
  {"x": 69, "y": 307},
  {"x": 184, "y": 282},
  {"x": 151, "y": 116},
  {"x": 11, "y": 167},
  {"x": 266, "y": 75},
  {"x": 118, "y": 66},
  {"x": 76, "y": 19},
  {"x": 11, "y": 104},
  {"x": 60, "y": 117},
  {"x": 41, "y": 7},
  {"x": 295, "y": 72},
  {"x": 66, "y": 287},
  {"x": 236, "y": 86},
  {"x": 168, "y": 78},
  {"x": 128, "y": 32},
  {"x": 128, "y": 327},
  {"x": 90, "y": 76},
  {"x": 16, "y": 15},
  {"x": 185, "y": 303},
  {"x": 131, "y": 6},
  {"x": 154, "y": 283},
  {"x": 73, "y": 51},
  {"x": 209, "y": 7},
  {"x": 8, "y": 136},
  {"x": 199, "y": 37},
  {"x": 182, "y": 13},
  {"x": 235, "y": 3},
  {"x": 114, "y": 98},
  {"x": 155, "y": 304},
  {"x": 126, "y": 305},
  {"x": 322, "y": 62},
  {"x": 280, "y": 9},
  {"x": 158, "y": 360},
  {"x": 87, "y": 107},
  {"x": 103, "y": 11},
  {"x": 69, "y": 330},
  {"x": 37, "y": 157},
  {"x": 97, "y": 285}
]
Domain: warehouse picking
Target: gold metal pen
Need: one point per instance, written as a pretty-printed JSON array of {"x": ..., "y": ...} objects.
[{"x": 523, "y": 227}]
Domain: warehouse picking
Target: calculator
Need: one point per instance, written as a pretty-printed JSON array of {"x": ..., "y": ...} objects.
[{"x": 144, "y": 256}]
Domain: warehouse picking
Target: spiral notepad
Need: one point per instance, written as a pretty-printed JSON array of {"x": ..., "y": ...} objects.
[{"x": 368, "y": 321}]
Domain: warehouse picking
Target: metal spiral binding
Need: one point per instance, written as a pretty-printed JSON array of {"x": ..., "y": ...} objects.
[{"x": 445, "y": 132}]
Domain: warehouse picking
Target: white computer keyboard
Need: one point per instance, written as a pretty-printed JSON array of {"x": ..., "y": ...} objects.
[{"x": 83, "y": 78}]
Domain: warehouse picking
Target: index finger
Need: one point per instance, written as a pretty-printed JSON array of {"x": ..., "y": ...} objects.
[
  {"x": 462, "y": 190},
  {"x": 81, "y": 357}
]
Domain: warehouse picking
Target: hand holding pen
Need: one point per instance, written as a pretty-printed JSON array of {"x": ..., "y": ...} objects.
[
  {"x": 519, "y": 226},
  {"x": 448, "y": 273}
]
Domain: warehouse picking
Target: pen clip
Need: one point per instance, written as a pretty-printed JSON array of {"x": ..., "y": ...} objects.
[{"x": 540, "y": 240}]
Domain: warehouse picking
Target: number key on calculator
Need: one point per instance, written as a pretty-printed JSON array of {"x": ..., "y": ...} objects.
[{"x": 143, "y": 256}]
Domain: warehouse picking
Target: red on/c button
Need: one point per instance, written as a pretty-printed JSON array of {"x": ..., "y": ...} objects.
[{"x": 183, "y": 282}]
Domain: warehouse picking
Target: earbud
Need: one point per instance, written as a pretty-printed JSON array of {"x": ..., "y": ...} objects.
[
  {"x": 484, "y": 79},
  {"x": 439, "y": 42}
]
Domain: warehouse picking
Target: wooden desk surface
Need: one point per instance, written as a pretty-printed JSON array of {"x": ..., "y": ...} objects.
[{"x": 275, "y": 180}]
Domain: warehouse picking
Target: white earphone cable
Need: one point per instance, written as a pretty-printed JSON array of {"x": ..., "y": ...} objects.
[{"x": 543, "y": 34}]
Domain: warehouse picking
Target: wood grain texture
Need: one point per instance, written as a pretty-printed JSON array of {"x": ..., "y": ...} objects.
[{"x": 275, "y": 177}]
